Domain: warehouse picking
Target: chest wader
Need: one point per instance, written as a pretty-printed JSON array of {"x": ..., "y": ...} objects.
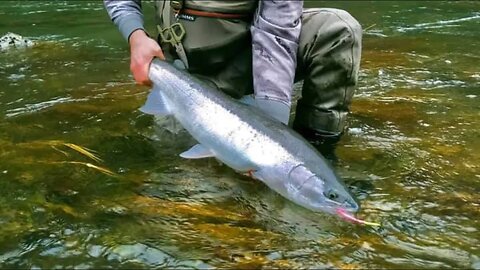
[
  {"x": 328, "y": 63},
  {"x": 212, "y": 38}
]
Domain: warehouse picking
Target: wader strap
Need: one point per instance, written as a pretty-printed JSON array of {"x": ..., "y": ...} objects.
[{"x": 167, "y": 26}]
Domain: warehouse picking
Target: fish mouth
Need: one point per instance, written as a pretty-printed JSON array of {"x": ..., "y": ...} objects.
[
  {"x": 352, "y": 207},
  {"x": 335, "y": 208}
]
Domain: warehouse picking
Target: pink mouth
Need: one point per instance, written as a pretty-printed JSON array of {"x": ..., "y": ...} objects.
[{"x": 347, "y": 216}]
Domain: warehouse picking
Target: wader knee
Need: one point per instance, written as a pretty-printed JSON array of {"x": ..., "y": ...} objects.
[{"x": 328, "y": 61}]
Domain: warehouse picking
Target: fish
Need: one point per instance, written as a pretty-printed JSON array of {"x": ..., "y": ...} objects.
[{"x": 246, "y": 139}]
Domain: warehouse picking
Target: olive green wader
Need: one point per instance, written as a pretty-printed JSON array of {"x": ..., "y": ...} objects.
[{"x": 219, "y": 51}]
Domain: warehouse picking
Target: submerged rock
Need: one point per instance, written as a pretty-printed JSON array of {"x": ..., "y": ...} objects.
[{"x": 12, "y": 40}]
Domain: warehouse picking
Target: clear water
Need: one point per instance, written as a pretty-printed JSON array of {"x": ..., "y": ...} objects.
[{"x": 411, "y": 154}]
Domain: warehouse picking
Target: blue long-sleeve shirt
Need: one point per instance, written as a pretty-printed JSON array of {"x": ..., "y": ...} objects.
[{"x": 275, "y": 35}]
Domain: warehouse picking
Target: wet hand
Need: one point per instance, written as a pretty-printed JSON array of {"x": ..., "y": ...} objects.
[{"x": 142, "y": 50}]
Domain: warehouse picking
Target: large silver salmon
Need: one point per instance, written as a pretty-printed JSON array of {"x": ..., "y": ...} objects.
[{"x": 247, "y": 140}]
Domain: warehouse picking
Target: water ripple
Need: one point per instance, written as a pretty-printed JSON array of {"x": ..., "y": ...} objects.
[
  {"x": 32, "y": 108},
  {"x": 438, "y": 24}
]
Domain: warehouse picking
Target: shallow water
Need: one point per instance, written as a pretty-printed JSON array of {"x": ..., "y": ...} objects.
[{"x": 410, "y": 153}]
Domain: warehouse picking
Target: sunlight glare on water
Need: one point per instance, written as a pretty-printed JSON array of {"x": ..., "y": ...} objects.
[{"x": 409, "y": 154}]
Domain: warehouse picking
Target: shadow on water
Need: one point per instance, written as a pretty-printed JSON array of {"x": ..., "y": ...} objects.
[{"x": 409, "y": 155}]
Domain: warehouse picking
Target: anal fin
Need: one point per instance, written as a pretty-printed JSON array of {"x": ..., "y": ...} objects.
[{"x": 196, "y": 152}]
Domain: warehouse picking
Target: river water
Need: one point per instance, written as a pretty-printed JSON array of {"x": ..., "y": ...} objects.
[{"x": 410, "y": 153}]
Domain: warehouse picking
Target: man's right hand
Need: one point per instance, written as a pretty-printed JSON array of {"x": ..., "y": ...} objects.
[{"x": 142, "y": 50}]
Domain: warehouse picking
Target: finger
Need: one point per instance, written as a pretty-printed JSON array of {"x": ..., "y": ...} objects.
[
  {"x": 145, "y": 80},
  {"x": 159, "y": 54},
  {"x": 140, "y": 74},
  {"x": 146, "y": 83}
]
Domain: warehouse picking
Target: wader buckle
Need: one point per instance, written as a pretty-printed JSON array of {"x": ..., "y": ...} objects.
[
  {"x": 173, "y": 34},
  {"x": 177, "y": 4}
]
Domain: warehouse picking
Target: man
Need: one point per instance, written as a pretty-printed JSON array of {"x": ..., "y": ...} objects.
[{"x": 260, "y": 47}]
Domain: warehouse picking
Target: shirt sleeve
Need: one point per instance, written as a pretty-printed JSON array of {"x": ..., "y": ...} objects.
[
  {"x": 275, "y": 36},
  {"x": 126, "y": 15}
]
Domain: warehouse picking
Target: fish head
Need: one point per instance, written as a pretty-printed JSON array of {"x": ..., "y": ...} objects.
[{"x": 323, "y": 191}]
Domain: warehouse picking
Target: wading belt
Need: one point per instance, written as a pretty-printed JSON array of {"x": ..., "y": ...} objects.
[
  {"x": 179, "y": 7},
  {"x": 174, "y": 33}
]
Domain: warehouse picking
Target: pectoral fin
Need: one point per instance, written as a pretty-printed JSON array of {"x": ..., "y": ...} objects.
[
  {"x": 196, "y": 152},
  {"x": 256, "y": 174},
  {"x": 155, "y": 104}
]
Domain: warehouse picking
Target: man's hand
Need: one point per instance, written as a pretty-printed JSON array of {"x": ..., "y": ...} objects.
[{"x": 142, "y": 50}]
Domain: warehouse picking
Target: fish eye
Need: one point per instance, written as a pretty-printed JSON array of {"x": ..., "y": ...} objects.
[{"x": 331, "y": 194}]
